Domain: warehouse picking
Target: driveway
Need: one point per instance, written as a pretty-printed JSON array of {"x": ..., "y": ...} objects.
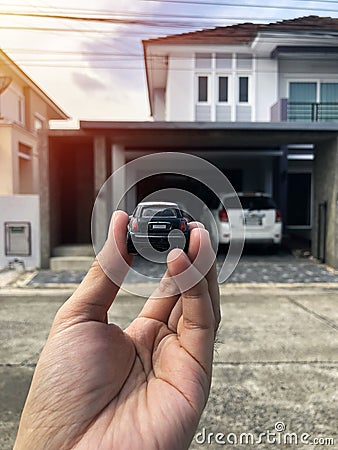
[{"x": 253, "y": 268}]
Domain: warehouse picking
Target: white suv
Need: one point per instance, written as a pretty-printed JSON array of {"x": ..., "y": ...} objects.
[{"x": 261, "y": 219}]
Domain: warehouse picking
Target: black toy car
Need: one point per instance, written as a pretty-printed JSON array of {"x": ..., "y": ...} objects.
[{"x": 157, "y": 225}]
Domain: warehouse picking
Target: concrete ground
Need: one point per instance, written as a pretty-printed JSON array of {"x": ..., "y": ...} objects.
[{"x": 276, "y": 362}]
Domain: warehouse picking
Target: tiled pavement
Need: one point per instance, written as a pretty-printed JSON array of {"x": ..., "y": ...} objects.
[{"x": 252, "y": 268}]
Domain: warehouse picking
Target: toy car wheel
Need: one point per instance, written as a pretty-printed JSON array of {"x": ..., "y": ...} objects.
[{"x": 130, "y": 246}]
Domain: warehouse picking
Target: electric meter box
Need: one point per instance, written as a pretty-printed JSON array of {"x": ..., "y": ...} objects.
[
  {"x": 20, "y": 236},
  {"x": 18, "y": 241}
]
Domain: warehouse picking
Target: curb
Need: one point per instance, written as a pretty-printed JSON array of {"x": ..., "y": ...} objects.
[{"x": 57, "y": 291}]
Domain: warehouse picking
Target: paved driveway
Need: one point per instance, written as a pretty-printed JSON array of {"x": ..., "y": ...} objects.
[{"x": 252, "y": 268}]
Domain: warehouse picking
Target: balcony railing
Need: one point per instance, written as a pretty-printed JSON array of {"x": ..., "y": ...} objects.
[
  {"x": 285, "y": 111},
  {"x": 312, "y": 112}
]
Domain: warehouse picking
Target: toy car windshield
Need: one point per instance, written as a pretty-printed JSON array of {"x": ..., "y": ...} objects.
[{"x": 160, "y": 212}]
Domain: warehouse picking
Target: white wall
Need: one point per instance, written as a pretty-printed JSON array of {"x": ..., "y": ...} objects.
[
  {"x": 21, "y": 208},
  {"x": 159, "y": 104},
  {"x": 180, "y": 89},
  {"x": 266, "y": 88}
]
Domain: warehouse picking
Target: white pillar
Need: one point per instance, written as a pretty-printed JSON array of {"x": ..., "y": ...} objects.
[
  {"x": 100, "y": 165},
  {"x": 118, "y": 160},
  {"x": 101, "y": 219}
]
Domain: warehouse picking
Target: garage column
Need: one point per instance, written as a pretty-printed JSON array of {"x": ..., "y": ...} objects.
[
  {"x": 44, "y": 191},
  {"x": 280, "y": 183},
  {"x": 100, "y": 165},
  {"x": 118, "y": 161},
  {"x": 325, "y": 209},
  {"x": 100, "y": 226}
]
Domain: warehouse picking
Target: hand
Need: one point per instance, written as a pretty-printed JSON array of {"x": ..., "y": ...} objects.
[{"x": 98, "y": 387}]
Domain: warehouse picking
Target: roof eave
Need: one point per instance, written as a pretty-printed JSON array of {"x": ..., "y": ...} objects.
[
  {"x": 144, "y": 43},
  {"x": 60, "y": 114}
]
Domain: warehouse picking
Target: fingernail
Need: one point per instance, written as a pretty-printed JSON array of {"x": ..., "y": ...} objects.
[
  {"x": 196, "y": 225},
  {"x": 174, "y": 254}
]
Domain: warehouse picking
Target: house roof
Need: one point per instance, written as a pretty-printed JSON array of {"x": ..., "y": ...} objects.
[
  {"x": 246, "y": 32},
  {"x": 55, "y": 110}
]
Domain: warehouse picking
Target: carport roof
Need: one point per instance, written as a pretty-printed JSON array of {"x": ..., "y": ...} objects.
[{"x": 207, "y": 135}]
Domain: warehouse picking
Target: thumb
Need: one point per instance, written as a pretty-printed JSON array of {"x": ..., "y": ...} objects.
[{"x": 96, "y": 293}]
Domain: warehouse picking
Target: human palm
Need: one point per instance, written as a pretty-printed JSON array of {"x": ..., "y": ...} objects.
[{"x": 98, "y": 387}]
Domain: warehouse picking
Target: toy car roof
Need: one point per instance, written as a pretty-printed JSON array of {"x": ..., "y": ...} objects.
[{"x": 174, "y": 205}]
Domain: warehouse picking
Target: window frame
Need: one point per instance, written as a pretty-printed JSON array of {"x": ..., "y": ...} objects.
[
  {"x": 248, "y": 101},
  {"x": 318, "y": 82},
  {"x": 233, "y": 74},
  {"x": 217, "y": 96},
  {"x": 208, "y": 77}
]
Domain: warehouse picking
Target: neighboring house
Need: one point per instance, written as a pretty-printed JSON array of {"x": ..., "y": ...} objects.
[
  {"x": 260, "y": 102},
  {"x": 24, "y": 110}
]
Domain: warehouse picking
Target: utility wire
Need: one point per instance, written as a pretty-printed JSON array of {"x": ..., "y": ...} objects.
[
  {"x": 237, "y": 4},
  {"x": 190, "y": 27},
  {"x": 183, "y": 2},
  {"x": 126, "y": 64},
  {"x": 119, "y": 55},
  {"x": 240, "y": 5},
  {"x": 132, "y": 19}
]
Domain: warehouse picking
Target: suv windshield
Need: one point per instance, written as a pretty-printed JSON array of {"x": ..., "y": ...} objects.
[
  {"x": 249, "y": 202},
  {"x": 253, "y": 202}
]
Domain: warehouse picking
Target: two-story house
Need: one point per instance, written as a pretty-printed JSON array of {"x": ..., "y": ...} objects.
[
  {"x": 258, "y": 101},
  {"x": 25, "y": 109},
  {"x": 283, "y": 71}
]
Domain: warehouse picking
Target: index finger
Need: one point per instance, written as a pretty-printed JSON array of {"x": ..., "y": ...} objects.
[
  {"x": 197, "y": 326},
  {"x": 202, "y": 255}
]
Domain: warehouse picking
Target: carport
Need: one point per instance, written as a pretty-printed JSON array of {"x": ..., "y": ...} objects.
[{"x": 89, "y": 155}]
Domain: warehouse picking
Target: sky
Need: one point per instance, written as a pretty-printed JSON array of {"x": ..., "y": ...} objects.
[{"x": 95, "y": 71}]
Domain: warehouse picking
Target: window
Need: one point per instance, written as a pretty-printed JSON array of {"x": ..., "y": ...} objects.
[
  {"x": 311, "y": 101},
  {"x": 38, "y": 124},
  {"x": 303, "y": 92},
  {"x": 244, "y": 62},
  {"x": 158, "y": 211},
  {"x": 203, "y": 60},
  {"x": 302, "y": 98},
  {"x": 224, "y": 61},
  {"x": 243, "y": 96},
  {"x": 329, "y": 92},
  {"x": 202, "y": 89},
  {"x": 255, "y": 202},
  {"x": 327, "y": 111},
  {"x": 223, "y": 86},
  {"x": 26, "y": 185},
  {"x": 20, "y": 110}
]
